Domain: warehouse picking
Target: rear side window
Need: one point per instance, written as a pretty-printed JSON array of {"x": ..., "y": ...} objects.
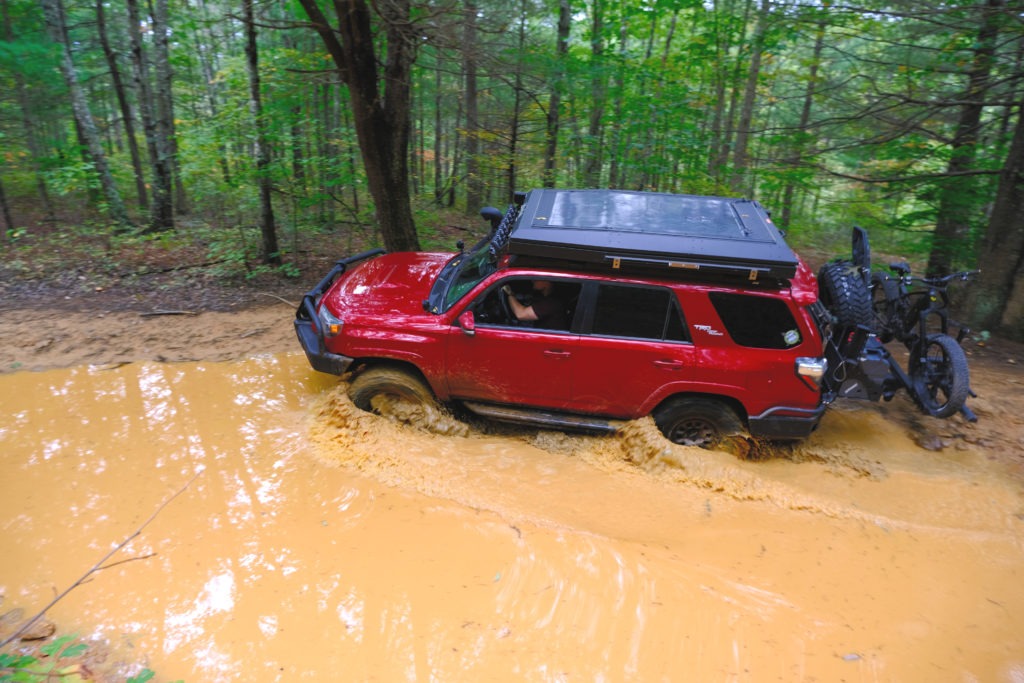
[
  {"x": 757, "y": 321},
  {"x": 639, "y": 312}
]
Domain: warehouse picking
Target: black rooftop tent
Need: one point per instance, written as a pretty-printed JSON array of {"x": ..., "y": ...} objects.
[{"x": 624, "y": 229}]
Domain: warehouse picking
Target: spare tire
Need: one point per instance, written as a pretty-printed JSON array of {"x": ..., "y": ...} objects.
[{"x": 845, "y": 294}]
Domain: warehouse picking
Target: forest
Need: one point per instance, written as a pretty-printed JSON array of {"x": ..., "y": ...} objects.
[{"x": 252, "y": 127}]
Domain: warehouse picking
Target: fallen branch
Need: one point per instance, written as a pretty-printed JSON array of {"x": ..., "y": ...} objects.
[
  {"x": 282, "y": 300},
  {"x": 150, "y": 314},
  {"x": 96, "y": 567}
]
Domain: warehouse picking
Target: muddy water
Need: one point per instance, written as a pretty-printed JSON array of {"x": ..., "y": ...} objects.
[{"x": 316, "y": 542}]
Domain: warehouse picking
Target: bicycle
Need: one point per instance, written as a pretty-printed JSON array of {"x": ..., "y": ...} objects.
[{"x": 914, "y": 310}]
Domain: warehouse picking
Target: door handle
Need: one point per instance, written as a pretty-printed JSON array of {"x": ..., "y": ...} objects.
[
  {"x": 669, "y": 364},
  {"x": 557, "y": 353}
]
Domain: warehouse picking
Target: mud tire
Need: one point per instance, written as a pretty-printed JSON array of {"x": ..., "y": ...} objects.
[
  {"x": 702, "y": 422},
  {"x": 389, "y": 380},
  {"x": 844, "y": 293},
  {"x": 940, "y": 378}
]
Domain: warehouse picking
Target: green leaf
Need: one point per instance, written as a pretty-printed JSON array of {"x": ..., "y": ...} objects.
[
  {"x": 143, "y": 676},
  {"x": 51, "y": 649},
  {"x": 74, "y": 650}
]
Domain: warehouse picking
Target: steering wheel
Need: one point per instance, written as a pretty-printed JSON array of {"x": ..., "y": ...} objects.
[{"x": 506, "y": 309}]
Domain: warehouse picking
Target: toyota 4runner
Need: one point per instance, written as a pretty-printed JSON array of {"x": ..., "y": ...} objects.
[{"x": 691, "y": 309}]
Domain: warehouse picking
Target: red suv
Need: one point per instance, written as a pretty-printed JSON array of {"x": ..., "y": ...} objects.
[{"x": 584, "y": 308}]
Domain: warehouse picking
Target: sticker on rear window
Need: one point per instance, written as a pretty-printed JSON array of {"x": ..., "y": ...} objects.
[{"x": 791, "y": 337}]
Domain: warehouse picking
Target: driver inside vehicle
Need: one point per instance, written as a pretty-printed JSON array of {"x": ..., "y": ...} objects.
[{"x": 545, "y": 310}]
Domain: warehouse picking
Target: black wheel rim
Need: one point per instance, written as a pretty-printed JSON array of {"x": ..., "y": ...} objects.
[{"x": 694, "y": 432}]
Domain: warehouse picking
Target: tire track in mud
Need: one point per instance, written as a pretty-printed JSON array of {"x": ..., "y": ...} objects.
[{"x": 434, "y": 453}]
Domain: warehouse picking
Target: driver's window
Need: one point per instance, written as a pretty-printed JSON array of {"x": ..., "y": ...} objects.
[{"x": 542, "y": 304}]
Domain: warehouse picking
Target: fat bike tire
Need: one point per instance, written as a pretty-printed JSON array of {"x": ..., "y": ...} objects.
[{"x": 939, "y": 375}]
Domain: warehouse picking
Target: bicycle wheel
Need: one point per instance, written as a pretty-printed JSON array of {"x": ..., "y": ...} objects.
[
  {"x": 939, "y": 375},
  {"x": 886, "y": 307}
]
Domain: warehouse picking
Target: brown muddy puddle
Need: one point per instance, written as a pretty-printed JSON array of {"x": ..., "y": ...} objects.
[{"x": 322, "y": 543}]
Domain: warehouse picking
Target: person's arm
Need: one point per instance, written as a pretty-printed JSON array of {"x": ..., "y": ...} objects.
[{"x": 522, "y": 313}]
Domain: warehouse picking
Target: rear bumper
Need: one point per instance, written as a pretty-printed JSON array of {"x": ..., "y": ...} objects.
[{"x": 785, "y": 422}]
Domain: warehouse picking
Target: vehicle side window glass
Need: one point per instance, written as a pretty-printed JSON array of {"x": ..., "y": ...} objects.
[
  {"x": 639, "y": 312},
  {"x": 757, "y": 321}
]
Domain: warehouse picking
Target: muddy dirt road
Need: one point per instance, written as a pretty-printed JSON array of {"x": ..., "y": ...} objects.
[{"x": 317, "y": 542}]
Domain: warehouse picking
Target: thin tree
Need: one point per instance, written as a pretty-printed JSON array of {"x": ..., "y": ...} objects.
[
  {"x": 740, "y": 159},
  {"x": 474, "y": 184},
  {"x": 599, "y": 94},
  {"x": 164, "y": 101},
  {"x": 268, "y": 230},
  {"x": 555, "y": 98},
  {"x": 161, "y": 208},
  {"x": 56, "y": 24},
  {"x": 122, "y": 101},
  {"x": 28, "y": 123},
  {"x": 956, "y": 200}
]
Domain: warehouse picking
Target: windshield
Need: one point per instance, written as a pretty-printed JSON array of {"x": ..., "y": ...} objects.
[{"x": 469, "y": 270}]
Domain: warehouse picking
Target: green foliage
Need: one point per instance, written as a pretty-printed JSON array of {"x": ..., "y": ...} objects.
[{"x": 54, "y": 664}]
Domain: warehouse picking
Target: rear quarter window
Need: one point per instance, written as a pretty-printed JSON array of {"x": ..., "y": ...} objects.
[{"x": 757, "y": 321}]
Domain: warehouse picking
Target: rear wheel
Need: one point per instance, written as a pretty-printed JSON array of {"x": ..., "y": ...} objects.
[
  {"x": 940, "y": 376},
  {"x": 843, "y": 292},
  {"x": 388, "y": 381},
  {"x": 702, "y": 422}
]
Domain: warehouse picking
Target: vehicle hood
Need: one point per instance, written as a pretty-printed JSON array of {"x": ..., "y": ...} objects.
[{"x": 392, "y": 284}]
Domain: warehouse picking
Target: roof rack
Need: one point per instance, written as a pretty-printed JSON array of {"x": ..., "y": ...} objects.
[{"x": 622, "y": 230}]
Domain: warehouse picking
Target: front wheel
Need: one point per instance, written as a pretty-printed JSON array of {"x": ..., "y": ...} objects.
[
  {"x": 373, "y": 389},
  {"x": 939, "y": 376},
  {"x": 691, "y": 421}
]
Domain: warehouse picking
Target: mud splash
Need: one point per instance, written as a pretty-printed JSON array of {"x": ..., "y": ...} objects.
[{"x": 323, "y": 542}]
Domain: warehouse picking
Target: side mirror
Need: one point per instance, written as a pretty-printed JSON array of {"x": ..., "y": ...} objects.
[{"x": 468, "y": 323}]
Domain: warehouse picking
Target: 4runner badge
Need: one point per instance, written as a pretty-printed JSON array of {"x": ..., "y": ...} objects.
[{"x": 708, "y": 329}]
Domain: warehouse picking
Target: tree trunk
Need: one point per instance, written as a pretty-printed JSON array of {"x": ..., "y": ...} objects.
[
  {"x": 805, "y": 117},
  {"x": 740, "y": 157},
  {"x": 555, "y": 99},
  {"x": 28, "y": 123},
  {"x": 164, "y": 102},
  {"x": 438, "y": 132},
  {"x": 122, "y": 101},
  {"x": 381, "y": 118},
  {"x": 513, "y": 141},
  {"x": 5, "y": 213},
  {"x": 474, "y": 183},
  {"x": 599, "y": 94},
  {"x": 161, "y": 207},
  {"x": 55, "y": 22},
  {"x": 996, "y": 301},
  {"x": 268, "y": 230},
  {"x": 957, "y": 198}
]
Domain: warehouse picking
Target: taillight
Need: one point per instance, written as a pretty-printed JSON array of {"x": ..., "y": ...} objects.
[{"x": 811, "y": 370}]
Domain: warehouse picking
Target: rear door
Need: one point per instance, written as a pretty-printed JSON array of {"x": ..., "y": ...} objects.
[{"x": 634, "y": 345}]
